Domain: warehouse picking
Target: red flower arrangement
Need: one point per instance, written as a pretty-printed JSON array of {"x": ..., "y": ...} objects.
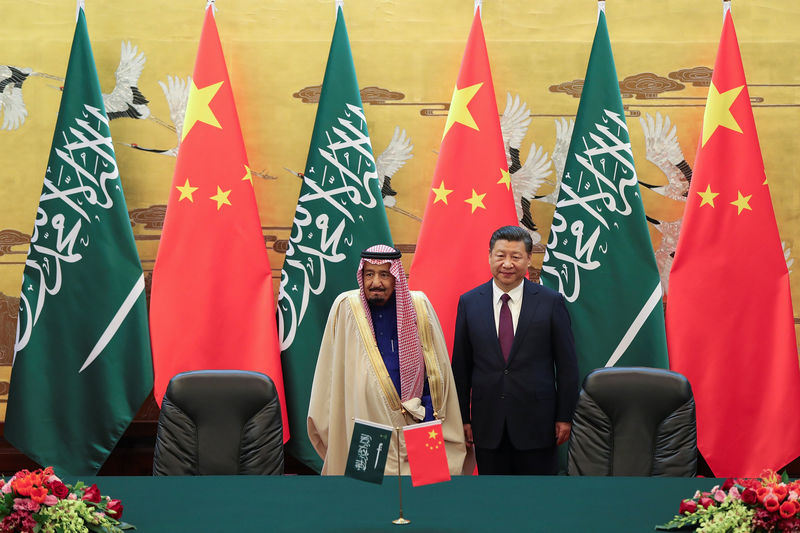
[
  {"x": 39, "y": 502},
  {"x": 767, "y": 504}
]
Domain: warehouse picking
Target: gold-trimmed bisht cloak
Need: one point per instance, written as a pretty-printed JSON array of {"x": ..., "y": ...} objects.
[{"x": 351, "y": 381}]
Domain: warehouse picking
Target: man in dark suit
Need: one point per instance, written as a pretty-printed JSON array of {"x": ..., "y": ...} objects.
[{"x": 514, "y": 364}]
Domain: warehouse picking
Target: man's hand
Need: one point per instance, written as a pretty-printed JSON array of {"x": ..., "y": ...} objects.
[
  {"x": 468, "y": 435},
  {"x": 562, "y": 432}
]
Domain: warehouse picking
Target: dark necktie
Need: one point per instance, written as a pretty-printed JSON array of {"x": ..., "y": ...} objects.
[{"x": 505, "y": 329}]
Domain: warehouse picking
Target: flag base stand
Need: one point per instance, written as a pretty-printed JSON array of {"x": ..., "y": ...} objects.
[{"x": 399, "y": 520}]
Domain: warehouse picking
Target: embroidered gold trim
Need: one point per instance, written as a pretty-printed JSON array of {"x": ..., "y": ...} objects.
[
  {"x": 374, "y": 355},
  {"x": 435, "y": 383}
]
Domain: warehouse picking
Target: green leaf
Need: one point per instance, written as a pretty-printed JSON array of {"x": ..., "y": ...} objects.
[
  {"x": 126, "y": 526},
  {"x": 785, "y": 477}
]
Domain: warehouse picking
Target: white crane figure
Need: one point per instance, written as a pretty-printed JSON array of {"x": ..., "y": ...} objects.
[
  {"x": 392, "y": 159},
  {"x": 11, "y": 103},
  {"x": 528, "y": 178},
  {"x": 662, "y": 149},
  {"x": 126, "y": 100}
]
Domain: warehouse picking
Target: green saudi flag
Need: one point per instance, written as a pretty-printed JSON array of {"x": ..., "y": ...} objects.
[
  {"x": 599, "y": 254},
  {"x": 82, "y": 364},
  {"x": 369, "y": 448},
  {"x": 339, "y": 213}
]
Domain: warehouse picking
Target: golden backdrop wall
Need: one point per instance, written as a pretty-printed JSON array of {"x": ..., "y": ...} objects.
[{"x": 407, "y": 54}]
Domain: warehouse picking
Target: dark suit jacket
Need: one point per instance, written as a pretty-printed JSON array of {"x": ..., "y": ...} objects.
[{"x": 535, "y": 388}]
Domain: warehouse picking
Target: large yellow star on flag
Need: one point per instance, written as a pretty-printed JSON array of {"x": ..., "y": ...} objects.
[
  {"x": 476, "y": 201},
  {"x": 718, "y": 111},
  {"x": 248, "y": 176},
  {"x": 197, "y": 108},
  {"x": 221, "y": 197},
  {"x": 186, "y": 191},
  {"x": 707, "y": 197},
  {"x": 432, "y": 434},
  {"x": 742, "y": 202},
  {"x": 505, "y": 179},
  {"x": 458, "y": 108},
  {"x": 441, "y": 193}
]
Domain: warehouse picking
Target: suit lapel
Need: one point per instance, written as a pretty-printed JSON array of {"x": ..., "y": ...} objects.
[{"x": 529, "y": 304}]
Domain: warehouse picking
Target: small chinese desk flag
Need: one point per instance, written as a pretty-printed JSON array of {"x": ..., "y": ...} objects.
[{"x": 426, "y": 455}]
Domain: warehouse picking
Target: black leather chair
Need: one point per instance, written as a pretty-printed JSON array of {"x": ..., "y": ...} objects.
[
  {"x": 634, "y": 421},
  {"x": 219, "y": 422}
]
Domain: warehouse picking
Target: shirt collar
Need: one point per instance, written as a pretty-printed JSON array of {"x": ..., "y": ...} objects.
[{"x": 515, "y": 294}]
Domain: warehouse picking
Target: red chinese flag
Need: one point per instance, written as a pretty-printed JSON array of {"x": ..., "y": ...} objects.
[
  {"x": 211, "y": 304},
  {"x": 729, "y": 311},
  {"x": 471, "y": 193},
  {"x": 426, "y": 455}
]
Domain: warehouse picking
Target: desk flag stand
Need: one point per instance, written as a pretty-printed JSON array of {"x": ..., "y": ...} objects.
[{"x": 399, "y": 520}]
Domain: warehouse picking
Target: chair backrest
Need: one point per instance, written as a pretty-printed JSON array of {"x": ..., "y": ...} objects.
[
  {"x": 634, "y": 421},
  {"x": 219, "y": 422}
]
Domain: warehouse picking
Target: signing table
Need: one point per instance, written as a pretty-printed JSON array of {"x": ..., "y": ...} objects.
[{"x": 484, "y": 503}]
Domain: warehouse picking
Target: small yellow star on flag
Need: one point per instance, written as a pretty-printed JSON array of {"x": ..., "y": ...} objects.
[
  {"x": 197, "y": 108},
  {"x": 476, "y": 201},
  {"x": 186, "y": 191},
  {"x": 708, "y": 197},
  {"x": 221, "y": 197},
  {"x": 458, "y": 108},
  {"x": 505, "y": 179},
  {"x": 248, "y": 176},
  {"x": 718, "y": 111},
  {"x": 742, "y": 202},
  {"x": 441, "y": 193}
]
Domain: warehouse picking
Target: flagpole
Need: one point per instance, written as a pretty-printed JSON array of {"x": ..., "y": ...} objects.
[
  {"x": 478, "y": 7},
  {"x": 78, "y": 6},
  {"x": 726, "y": 6},
  {"x": 399, "y": 520}
]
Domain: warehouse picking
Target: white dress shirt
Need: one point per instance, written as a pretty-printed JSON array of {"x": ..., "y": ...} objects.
[{"x": 514, "y": 304}]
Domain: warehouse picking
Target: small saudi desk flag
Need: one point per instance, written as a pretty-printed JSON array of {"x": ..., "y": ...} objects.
[{"x": 369, "y": 447}]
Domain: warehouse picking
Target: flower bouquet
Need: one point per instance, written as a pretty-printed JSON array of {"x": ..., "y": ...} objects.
[
  {"x": 767, "y": 504},
  {"x": 39, "y": 502}
]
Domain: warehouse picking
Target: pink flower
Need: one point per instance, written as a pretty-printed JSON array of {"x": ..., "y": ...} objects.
[
  {"x": 72, "y": 496},
  {"x": 7, "y": 488},
  {"x": 50, "y": 500},
  {"x": 734, "y": 493},
  {"x": 719, "y": 495},
  {"x": 792, "y": 496},
  {"x": 707, "y": 502},
  {"x": 25, "y": 504}
]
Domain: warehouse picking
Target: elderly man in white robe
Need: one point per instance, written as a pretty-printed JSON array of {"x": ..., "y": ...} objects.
[{"x": 382, "y": 359}]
